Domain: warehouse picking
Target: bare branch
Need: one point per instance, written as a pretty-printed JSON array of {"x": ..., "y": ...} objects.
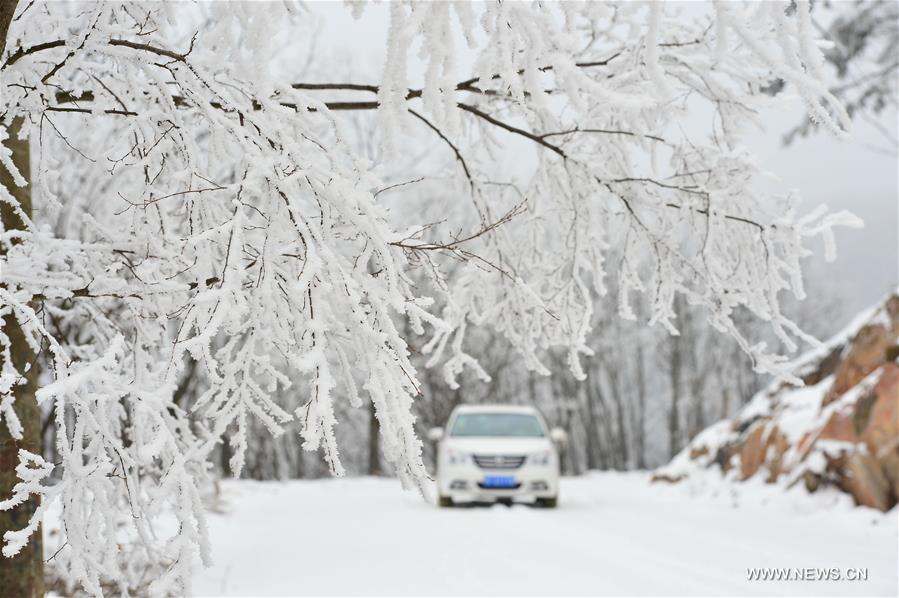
[
  {"x": 448, "y": 142},
  {"x": 604, "y": 132},
  {"x": 511, "y": 128}
]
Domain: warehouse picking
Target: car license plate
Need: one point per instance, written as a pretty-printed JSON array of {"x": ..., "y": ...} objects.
[{"x": 499, "y": 481}]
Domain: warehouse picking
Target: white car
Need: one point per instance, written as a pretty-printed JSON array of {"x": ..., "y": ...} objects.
[{"x": 497, "y": 453}]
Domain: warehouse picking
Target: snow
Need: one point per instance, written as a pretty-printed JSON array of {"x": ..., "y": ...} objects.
[
  {"x": 613, "y": 534},
  {"x": 800, "y": 410},
  {"x": 275, "y": 279},
  {"x": 711, "y": 438},
  {"x": 873, "y": 316}
]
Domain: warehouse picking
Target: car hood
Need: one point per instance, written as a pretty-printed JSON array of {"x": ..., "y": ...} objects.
[{"x": 497, "y": 446}]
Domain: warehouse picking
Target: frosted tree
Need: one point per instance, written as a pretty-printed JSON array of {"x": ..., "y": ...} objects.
[
  {"x": 190, "y": 205},
  {"x": 862, "y": 52}
]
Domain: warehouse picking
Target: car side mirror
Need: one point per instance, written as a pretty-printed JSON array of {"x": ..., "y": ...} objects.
[
  {"x": 558, "y": 436},
  {"x": 435, "y": 434}
]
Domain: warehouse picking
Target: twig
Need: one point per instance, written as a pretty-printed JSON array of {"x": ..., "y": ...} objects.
[
  {"x": 448, "y": 142},
  {"x": 511, "y": 128}
]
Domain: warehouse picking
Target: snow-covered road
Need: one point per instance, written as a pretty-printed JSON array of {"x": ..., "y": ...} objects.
[{"x": 612, "y": 534}]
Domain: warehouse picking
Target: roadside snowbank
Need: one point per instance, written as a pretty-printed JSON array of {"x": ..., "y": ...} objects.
[{"x": 841, "y": 429}]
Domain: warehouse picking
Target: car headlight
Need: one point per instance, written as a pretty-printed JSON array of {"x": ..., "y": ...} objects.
[
  {"x": 541, "y": 458},
  {"x": 456, "y": 457}
]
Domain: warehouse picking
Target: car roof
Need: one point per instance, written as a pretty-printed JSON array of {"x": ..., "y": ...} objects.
[{"x": 496, "y": 408}]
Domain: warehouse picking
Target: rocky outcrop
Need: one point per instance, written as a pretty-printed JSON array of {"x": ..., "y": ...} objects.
[{"x": 840, "y": 429}]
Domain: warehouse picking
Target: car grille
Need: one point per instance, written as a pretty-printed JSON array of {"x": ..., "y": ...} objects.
[{"x": 499, "y": 461}]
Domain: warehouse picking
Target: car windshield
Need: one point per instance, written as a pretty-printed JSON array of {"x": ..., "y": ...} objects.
[{"x": 497, "y": 424}]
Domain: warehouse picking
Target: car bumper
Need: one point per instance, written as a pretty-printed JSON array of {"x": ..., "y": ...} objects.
[{"x": 463, "y": 483}]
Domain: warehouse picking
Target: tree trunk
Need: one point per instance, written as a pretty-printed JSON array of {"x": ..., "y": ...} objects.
[
  {"x": 621, "y": 453},
  {"x": 374, "y": 449},
  {"x": 698, "y": 379},
  {"x": 602, "y": 430},
  {"x": 225, "y": 457},
  {"x": 674, "y": 371},
  {"x": 568, "y": 450},
  {"x": 23, "y": 574},
  {"x": 641, "y": 408},
  {"x": 299, "y": 469},
  {"x": 592, "y": 429}
]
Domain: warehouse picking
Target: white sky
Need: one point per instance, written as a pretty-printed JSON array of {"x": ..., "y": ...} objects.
[{"x": 848, "y": 174}]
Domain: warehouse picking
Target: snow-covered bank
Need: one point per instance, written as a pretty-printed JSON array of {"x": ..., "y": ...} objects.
[
  {"x": 839, "y": 430},
  {"x": 612, "y": 534}
]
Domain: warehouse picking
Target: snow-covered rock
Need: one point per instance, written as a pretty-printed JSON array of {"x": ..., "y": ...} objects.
[{"x": 841, "y": 428}]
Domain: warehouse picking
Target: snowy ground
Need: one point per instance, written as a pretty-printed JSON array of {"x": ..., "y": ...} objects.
[{"x": 612, "y": 534}]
